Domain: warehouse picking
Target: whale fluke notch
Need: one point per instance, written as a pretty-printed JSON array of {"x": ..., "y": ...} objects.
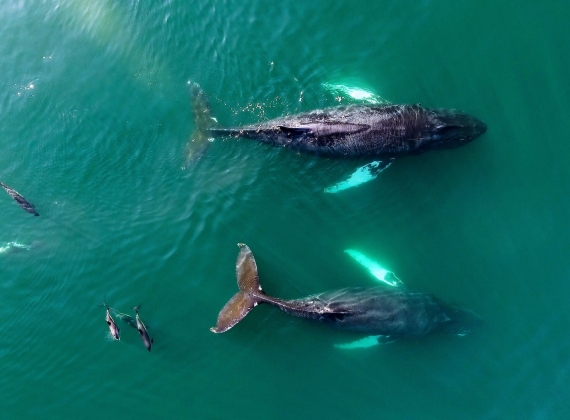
[
  {"x": 25, "y": 204},
  {"x": 248, "y": 296}
]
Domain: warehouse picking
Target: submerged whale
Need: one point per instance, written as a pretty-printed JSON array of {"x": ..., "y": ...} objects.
[
  {"x": 382, "y": 311},
  {"x": 383, "y": 132}
]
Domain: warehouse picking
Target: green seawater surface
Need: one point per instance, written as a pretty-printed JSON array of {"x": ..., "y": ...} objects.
[{"x": 95, "y": 119}]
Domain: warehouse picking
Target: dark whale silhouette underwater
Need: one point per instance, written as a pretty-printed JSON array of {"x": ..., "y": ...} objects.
[
  {"x": 382, "y": 311},
  {"x": 383, "y": 132},
  {"x": 25, "y": 204}
]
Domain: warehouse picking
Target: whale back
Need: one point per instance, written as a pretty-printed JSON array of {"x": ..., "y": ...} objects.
[
  {"x": 387, "y": 311},
  {"x": 346, "y": 131},
  {"x": 386, "y": 131}
]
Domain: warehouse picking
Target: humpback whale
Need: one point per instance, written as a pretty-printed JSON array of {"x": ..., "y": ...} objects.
[
  {"x": 382, "y": 132},
  {"x": 25, "y": 204},
  {"x": 382, "y": 311}
]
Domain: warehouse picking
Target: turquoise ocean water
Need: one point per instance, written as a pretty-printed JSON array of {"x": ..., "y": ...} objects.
[{"x": 95, "y": 118}]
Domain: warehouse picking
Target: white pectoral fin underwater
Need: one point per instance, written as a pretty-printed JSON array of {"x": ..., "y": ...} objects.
[
  {"x": 385, "y": 276},
  {"x": 366, "y": 342},
  {"x": 13, "y": 247},
  {"x": 362, "y": 175}
]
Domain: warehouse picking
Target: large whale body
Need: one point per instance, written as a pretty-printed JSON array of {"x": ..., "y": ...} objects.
[
  {"x": 381, "y": 132},
  {"x": 382, "y": 311},
  {"x": 363, "y": 130}
]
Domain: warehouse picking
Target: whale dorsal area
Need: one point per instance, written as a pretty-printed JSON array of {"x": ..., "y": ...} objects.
[{"x": 325, "y": 129}]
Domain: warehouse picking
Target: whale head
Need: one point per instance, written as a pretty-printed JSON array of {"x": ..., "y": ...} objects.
[{"x": 448, "y": 129}]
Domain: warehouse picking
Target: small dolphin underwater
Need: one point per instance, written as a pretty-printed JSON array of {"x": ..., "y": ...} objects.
[
  {"x": 114, "y": 330},
  {"x": 382, "y": 311},
  {"x": 147, "y": 341},
  {"x": 383, "y": 132},
  {"x": 25, "y": 204}
]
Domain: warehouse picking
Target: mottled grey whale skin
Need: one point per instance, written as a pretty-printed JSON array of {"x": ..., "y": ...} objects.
[
  {"x": 375, "y": 311},
  {"x": 359, "y": 130},
  {"x": 379, "y": 311},
  {"x": 352, "y": 131}
]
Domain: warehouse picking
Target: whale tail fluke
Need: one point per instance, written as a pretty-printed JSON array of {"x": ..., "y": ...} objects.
[
  {"x": 250, "y": 293},
  {"x": 204, "y": 120}
]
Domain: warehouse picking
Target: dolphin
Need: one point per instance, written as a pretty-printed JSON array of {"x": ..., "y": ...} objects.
[
  {"x": 147, "y": 341},
  {"x": 381, "y": 132},
  {"x": 381, "y": 311},
  {"x": 25, "y": 204},
  {"x": 114, "y": 330}
]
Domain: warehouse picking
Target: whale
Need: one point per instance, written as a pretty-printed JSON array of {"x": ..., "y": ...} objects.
[
  {"x": 381, "y": 132},
  {"x": 147, "y": 341},
  {"x": 25, "y": 204},
  {"x": 381, "y": 311}
]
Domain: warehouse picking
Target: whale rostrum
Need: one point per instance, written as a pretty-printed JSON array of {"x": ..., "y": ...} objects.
[{"x": 383, "y": 311}]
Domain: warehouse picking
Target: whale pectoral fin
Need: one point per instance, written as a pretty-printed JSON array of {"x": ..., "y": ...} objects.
[
  {"x": 381, "y": 274},
  {"x": 363, "y": 174},
  {"x": 370, "y": 341},
  {"x": 386, "y": 339}
]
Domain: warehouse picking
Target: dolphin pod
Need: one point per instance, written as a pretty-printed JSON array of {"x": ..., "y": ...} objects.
[
  {"x": 382, "y": 311},
  {"x": 135, "y": 323}
]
